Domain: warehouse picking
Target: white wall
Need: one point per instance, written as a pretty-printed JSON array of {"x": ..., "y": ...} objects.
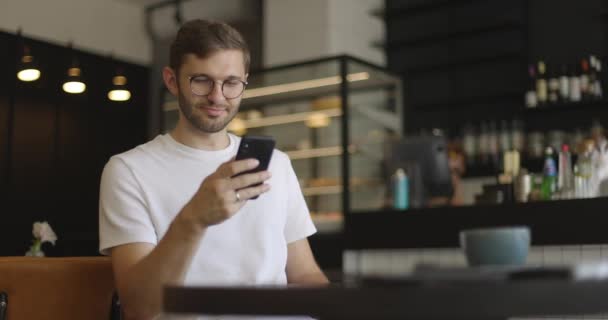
[
  {"x": 98, "y": 26},
  {"x": 163, "y": 21},
  {"x": 352, "y": 29},
  {"x": 296, "y": 30}
]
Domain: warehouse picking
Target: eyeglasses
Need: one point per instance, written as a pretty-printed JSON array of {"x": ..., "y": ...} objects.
[{"x": 231, "y": 88}]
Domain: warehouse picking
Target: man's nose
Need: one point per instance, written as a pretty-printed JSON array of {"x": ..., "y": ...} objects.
[{"x": 216, "y": 92}]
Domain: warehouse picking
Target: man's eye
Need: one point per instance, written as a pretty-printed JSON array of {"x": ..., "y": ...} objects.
[
  {"x": 200, "y": 80},
  {"x": 233, "y": 83}
]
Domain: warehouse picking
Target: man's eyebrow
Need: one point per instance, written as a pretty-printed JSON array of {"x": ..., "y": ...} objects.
[
  {"x": 230, "y": 77},
  {"x": 199, "y": 75}
]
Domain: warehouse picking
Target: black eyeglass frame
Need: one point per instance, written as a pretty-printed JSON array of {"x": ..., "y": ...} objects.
[{"x": 213, "y": 81}]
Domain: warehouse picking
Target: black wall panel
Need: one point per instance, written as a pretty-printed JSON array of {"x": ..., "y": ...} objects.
[
  {"x": 452, "y": 21},
  {"x": 54, "y": 145}
]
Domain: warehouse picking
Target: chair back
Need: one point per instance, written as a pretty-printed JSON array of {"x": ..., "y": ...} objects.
[{"x": 72, "y": 288}]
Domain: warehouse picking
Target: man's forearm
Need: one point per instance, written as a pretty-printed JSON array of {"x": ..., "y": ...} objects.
[
  {"x": 168, "y": 263},
  {"x": 314, "y": 278}
]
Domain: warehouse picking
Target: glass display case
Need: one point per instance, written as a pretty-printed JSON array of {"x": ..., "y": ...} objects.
[{"x": 332, "y": 117}]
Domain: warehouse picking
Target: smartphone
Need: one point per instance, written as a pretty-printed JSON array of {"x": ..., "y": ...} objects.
[{"x": 258, "y": 147}]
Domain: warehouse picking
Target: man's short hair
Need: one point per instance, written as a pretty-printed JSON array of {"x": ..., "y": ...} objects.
[{"x": 203, "y": 38}]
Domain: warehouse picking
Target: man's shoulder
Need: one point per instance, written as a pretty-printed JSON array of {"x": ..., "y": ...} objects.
[
  {"x": 281, "y": 157},
  {"x": 141, "y": 152}
]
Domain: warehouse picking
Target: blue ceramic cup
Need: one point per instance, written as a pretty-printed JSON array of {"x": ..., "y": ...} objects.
[{"x": 502, "y": 246}]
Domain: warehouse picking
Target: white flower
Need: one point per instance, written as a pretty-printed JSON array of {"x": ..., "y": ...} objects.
[{"x": 43, "y": 232}]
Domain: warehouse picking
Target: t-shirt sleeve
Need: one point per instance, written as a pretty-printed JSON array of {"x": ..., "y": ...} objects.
[
  {"x": 299, "y": 224},
  {"x": 123, "y": 213}
]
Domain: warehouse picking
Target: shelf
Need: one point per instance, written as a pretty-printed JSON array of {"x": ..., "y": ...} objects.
[
  {"x": 337, "y": 189},
  {"x": 319, "y": 191},
  {"x": 314, "y": 153},
  {"x": 569, "y": 106},
  {"x": 559, "y": 222},
  {"x": 314, "y": 88},
  {"x": 288, "y": 118},
  {"x": 318, "y": 152}
]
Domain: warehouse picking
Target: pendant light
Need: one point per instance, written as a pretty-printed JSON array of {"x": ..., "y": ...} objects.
[
  {"x": 119, "y": 91},
  {"x": 27, "y": 69},
  {"x": 74, "y": 83}
]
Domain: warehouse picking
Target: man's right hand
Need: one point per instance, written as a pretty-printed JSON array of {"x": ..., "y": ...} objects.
[{"x": 222, "y": 194}]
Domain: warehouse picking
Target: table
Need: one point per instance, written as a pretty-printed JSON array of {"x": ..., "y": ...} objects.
[{"x": 403, "y": 298}]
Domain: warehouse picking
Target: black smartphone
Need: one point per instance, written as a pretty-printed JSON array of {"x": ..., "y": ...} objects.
[{"x": 258, "y": 147}]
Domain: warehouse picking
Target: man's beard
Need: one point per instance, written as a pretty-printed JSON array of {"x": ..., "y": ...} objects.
[{"x": 200, "y": 121}]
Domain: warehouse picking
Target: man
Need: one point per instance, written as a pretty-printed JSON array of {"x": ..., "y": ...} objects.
[{"x": 171, "y": 210}]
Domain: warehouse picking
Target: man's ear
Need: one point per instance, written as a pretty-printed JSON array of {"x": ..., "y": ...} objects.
[{"x": 170, "y": 79}]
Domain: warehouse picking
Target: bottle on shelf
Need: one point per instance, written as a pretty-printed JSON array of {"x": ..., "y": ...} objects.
[
  {"x": 592, "y": 78},
  {"x": 535, "y": 192},
  {"x": 576, "y": 139},
  {"x": 549, "y": 182},
  {"x": 504, "y": 137},
  {"x": 575, "y": 84},
  {"x": 400, "y": 190},
  {"x": 585, "y": 92},
  {"x": 598, "y": 137},
  {"x": 493, "y": 145},
  {"x": 565, "y": 178},
  {"x": 578, "y": 181},
  {"x": 599, "y": 88},
  {"x": 564, "y": 85},
  {"x": 541, "y": 84},
  {"x": 531, "y": 100},
  {"x": 584, "y": 171},
  {"x": 517, "y": 135},
  {"x": 536, "y": 142},
  {"x": 482, "y": 144},
  {"x": 522, "y": 186},
  {"x": 469, "y": 144},
  {"x": 555, "y": 139},
  {"x": 511, "y": 163},
  {"x": 552, "y": 84},
  {"x": 595, "y": 83}
]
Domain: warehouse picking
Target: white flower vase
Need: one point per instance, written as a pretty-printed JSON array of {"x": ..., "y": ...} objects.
[
  {"x": 42, "y": 232},
  {"x": 35, "y": 250},
  {"x": 34, "y": 253}
]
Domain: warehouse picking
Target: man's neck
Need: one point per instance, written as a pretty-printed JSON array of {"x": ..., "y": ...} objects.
[{"x": 197, "y": 139}]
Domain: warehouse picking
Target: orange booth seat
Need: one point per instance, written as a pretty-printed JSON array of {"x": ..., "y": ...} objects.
[{"x": 58, "y": 288}]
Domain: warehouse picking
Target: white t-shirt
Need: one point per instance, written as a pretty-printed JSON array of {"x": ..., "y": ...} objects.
[{"x": 142, "y": 190}]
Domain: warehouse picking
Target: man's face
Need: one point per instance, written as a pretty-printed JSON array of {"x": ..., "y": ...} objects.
[{"x": 210, "y": 113}]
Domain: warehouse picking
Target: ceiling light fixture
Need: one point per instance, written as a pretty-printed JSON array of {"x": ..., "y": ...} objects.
[
  {"x": 119, "y": 91},
  {"x": 74, "y": 84},
  {"x": 27, "y": 70}
]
